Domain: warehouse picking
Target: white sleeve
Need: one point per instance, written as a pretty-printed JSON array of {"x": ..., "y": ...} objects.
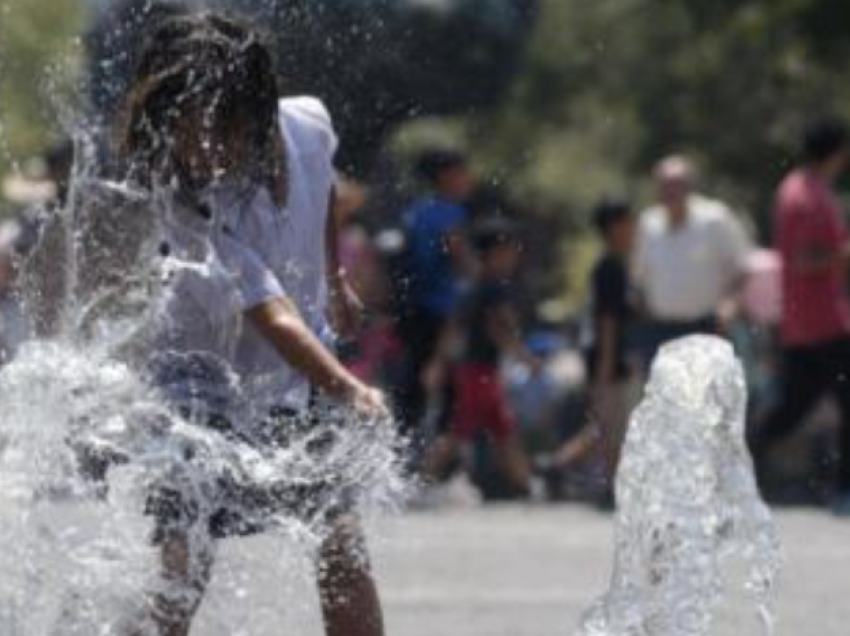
[
  {"x": 312, "y": 124},
  {"x": 255, "y": 281}
]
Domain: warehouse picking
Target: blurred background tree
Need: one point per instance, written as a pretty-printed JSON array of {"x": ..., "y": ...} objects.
[
  {"x": 603, "y": 87},
  {"x": 559, "y": 101},
  {"x": 39, "y": 60},
  {"x": 610, "y": 86}
]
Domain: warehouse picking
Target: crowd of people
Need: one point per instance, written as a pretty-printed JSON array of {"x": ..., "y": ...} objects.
[
  {"x": 419, "y": 321},
  {"x": 434, "y": 316},
  {"x": 429, "y": 314},
  {"x": 688, "y": 264}
]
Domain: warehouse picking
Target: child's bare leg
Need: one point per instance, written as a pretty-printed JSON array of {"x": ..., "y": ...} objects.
[
  {"x": 515, "y": 462},
  {"x": 185, "y": 574},
  {"x": 578, "y": 449},
  {"x": 439, "y": 456},
  {"x": 349, "y": 597},
  {"x": 611, "y": 413}
]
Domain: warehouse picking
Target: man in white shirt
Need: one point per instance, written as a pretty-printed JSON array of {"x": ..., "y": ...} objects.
[{"x": 690, "y": 258}]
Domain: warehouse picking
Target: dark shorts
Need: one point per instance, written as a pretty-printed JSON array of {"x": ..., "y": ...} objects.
[
  {"x": 233, "y": 507},
  {"x": 480, "y": 403},
  {"x": 654, "y": 334}
]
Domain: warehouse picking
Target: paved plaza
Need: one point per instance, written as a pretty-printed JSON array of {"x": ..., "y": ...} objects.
[{"x": 519, "y": 571}]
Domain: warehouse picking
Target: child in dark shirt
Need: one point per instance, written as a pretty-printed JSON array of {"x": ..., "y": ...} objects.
[
  {"x": 611, "y": 295},
  {"x": 607, "y": 353},
  {"x": 484, "y": 330}
]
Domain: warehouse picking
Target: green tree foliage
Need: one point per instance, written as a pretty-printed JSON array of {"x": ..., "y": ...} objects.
[
  {"x": 38, "y": 53},
  {"x": 610, "y": 85}
]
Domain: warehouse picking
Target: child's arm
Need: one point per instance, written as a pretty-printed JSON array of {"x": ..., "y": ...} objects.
[
  {"x": 503, "y": 323},
  {"x": 434, "y": 374},
  {"x": 279, "y": 322},
  {"x": 345, "y": 306}
]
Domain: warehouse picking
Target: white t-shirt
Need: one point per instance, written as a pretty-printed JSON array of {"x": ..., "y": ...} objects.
[
  {"x": 291, "y": 242},
  {"x": 685, "y": 272},
  {"x": 210, "y": 280}
]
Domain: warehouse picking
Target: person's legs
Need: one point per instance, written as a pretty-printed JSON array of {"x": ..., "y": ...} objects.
[
  {"x": 496, "y": 416},
  {"x": 439, "y": 456},
  {"x": 347, "y": 591},
  {"x": 843, "y": 484},
  {"x": 609, "y": 413},
  {"x": 420, "y": 334},
  {"x": 514, "y": 462},
  {"x": 842, "y": 393},
  {"x": 460, "y": 425},
  {"x": 804, "y": 380},
  {"x": 186, "y": 571}
]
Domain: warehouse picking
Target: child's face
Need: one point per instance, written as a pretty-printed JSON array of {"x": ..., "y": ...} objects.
[
  {"x": 457, "y": 182},
  {"x": 503, "y": 261},
  {"x": 210, "y": 153},
  {"x": 621, "y": 235}
]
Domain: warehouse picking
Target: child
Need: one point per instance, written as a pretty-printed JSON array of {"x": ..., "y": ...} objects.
[
  {"x": 203, "y": 117},
  {"x": 296, "y": 238},
  {"x": 484, "y": 331},
  {"x": 607, "y": 351},
  {"x": 437, "y": 259}
]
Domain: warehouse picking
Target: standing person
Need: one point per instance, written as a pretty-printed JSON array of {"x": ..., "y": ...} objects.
[
  {"x": 437, "y": 259},
  {"x": 608, "y": 364},
  {"x": 690, "y": 259},
  {"x": 204, "y": 113},
  {"x": 811, "y": 235},
  {"x": 485, "y": 330}
]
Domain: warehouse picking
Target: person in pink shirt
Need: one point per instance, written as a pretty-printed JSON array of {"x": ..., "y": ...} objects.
[{"x": 812, "y": 236}]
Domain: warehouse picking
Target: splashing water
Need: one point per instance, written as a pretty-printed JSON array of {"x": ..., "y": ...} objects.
[
  {"x": 85, "y": 439},
  {"x": 688, "y": 505}
]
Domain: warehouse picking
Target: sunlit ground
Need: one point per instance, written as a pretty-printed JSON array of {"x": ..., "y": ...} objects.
[{"x": 520, "y": 571}]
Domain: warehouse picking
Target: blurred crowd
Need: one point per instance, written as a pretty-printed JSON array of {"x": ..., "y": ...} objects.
[{"x": 523, "y": 407}]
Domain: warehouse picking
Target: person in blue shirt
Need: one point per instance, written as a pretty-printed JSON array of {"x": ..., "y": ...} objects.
[{"x": 437, "y": 257}]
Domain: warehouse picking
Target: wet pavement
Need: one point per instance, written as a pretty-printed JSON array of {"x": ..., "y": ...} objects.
[{"x": 520, "y": 571}]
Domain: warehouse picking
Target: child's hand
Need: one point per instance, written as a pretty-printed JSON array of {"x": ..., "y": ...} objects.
[{"x": 371, "y": 403}]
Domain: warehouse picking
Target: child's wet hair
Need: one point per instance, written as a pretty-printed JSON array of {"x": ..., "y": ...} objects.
[{"x": 210, "y": 64}]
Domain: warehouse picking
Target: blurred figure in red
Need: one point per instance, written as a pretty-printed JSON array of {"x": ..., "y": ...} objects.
[
  {"x": 812, "y": 236},
  {"x": 484, "y": 331}
]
